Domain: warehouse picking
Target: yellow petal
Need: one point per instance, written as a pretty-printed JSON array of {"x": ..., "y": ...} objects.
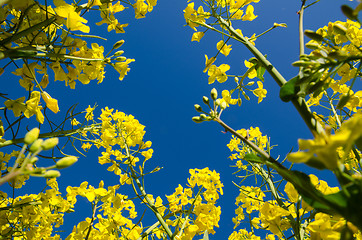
[{"x": 51, "y": 103}]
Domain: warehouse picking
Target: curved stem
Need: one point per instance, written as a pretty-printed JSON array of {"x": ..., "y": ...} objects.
[{"x": 63, "y": 133}]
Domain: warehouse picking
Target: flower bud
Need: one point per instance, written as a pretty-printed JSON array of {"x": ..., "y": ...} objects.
[
  {"x": 118, "y": 44},
  {"x": 339, "y": 55},
  {"x": 250, "y": 83},
  {"x": 205, "y": 100},
  {"x": 51, "y": 174},
  {"x": 217, "y": 102},
  {"x": 31, "y": 136},
  {"x": 50, "y": 143},
  {"x": 203, "y": 116},
  {"x": 121, "y": 59},
  {"x": 118, "y": 53},
  {"x": 236, "y": 79},
  {"x": 349, "y": 12},
  {"x": 343, "y": 100},
  {"x": 66, "y": 162},
  {"x": 339, "y": 28},
  {"x": 312, "y": 45},
  {"x": 197, "y": 119},
  {"x": 198, "y": 107},
  {"x": 214, "y": 94},
  {"x": 223, "y": 105},
  {"x": 313, "y": 35},
  {"x": 36, "y": 146},
  {"x": 33, "y": 160}
]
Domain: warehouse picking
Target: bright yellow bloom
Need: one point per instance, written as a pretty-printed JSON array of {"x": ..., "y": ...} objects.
[
  {"x": 249, "y": 15},
  {"x": 218, "y": 73},
  {"x": 51, "y": 103},
  {"x": 74, "y": 21},
  {"x": 223, "y": 48},
  {"x": 260, "y": 92},
  {"x": 197, "y": 36},
  {"x": 32, "y": 107},
  {"x": 252, "y": 74},
  {"x": 17, "y": 106}
]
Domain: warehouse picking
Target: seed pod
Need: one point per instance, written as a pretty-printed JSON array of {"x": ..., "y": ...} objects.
[
  {"x": 31, "y": 136},
  {"x": 313, "y": 35}
]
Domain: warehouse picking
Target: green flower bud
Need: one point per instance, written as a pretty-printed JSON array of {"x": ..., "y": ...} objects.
[
  {"x": 343, "y": 100},
  {"x": 33, "y": 160},
  {"x": 51, "y": 174},
  {"x": 339, "y": 28},
  {"x": 312, "y": 45},
  {"x": 66, "y": 162},
  {"x": 214, "y": 94},
  {"x": 203, "y": 116},
  {"x": 339, "y": 55},
  {"x": 349, "y": 12},
  {"x": 217, "y": 102},
  {"x": 197, "y": 119},
  {"x": 121, "y": 59},
  {"x": 31, "y": 136},
  {"x": 313, "y": 35},
  {"x": 205, "y": 100},
  {"x": 36, "y": 145},
  {"x": 118, "y": 53},
  {"x": 118, "y": 44},
  {"x": 198, "y": 107},
  {"x": 50, "y": 143}
]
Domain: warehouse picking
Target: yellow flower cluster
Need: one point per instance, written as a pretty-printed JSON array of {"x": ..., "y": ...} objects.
[
  {"x": 240, "y": 149},
  {"x": 204, "y": 187},
  {"x": 326, "y": 149},
  {"x": 45, "y": 43}
]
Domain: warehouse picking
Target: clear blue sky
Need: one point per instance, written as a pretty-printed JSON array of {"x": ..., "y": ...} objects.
[{"x": 166, "y": 80}]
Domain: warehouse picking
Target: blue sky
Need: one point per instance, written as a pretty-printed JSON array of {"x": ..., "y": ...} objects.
[{"x": 166, "y": 80}]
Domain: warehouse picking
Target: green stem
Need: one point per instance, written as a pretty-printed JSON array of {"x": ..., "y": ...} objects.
[
  {"x": 299, "y": 102},
  {"x": 63, "y": 133}
]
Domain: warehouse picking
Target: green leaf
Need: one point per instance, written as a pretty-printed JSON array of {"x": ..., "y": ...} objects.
[
  {"x": 288, "y": 91},
  {"x": 252, "y": 157},
  {"x": 260, "y": 72}
]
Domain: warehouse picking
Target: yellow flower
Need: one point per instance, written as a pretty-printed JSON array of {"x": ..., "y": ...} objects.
[
  {"x": 208, "y": 62},
  {"x": 260, "y": 92},
  {"x": 32, "y": 107},
  {"x": 218, "y": 73},
  {"x": 252, "y": 74},
  {"x": 17, "y": 106},
  {"x": 249, "y": 15},
  {"x": 74, "y": 21},
  {"x": 51, "y": 103},
  {"x": 197, "y": 36},
  {"x": 223, "y": 48}
]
